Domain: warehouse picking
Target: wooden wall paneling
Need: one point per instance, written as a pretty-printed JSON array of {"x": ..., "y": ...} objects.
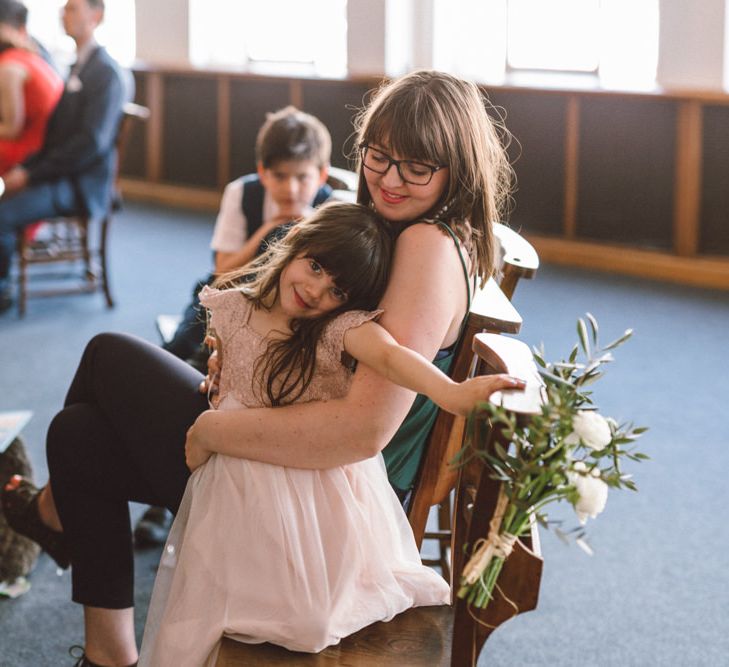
[
  {"x": 336, "y": 103},
  {"x": 688, "y": 179},
  {"x": 250, "y": 101},
  {"x": 134, "y": 164},
  {"x": 537, "y": 123},
  {"x": 190, "y": 140},
  {"x": 627, "y": 152},
  {"x": 714, "y": 196},
  {"x": 571, "y": 167},
  {"x": 155, "y": 125},
  {"x": 700, "y": 271},
  {"x": 296, "y": 93},
  {"x": 223, "y": 130}
]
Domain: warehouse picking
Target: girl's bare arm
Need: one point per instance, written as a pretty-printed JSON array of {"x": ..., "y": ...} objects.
[
  {"x": 424, "y": 304},
  {"x": 371, "y": 344}
]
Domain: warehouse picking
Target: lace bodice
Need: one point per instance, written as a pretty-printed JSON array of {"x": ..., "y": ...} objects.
[{"x": 242, "y": 346}]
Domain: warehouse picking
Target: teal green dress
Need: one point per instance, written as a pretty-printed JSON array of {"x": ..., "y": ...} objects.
[{"x": 403, "y": 453}]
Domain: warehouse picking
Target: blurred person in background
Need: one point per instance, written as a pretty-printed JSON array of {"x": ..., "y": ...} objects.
[
  {"x": 74, "y": 170},
  {"x": 29, "y": 88}
]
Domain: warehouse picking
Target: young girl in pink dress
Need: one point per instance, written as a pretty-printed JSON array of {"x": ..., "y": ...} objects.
[{"x": 297, "y": 557}]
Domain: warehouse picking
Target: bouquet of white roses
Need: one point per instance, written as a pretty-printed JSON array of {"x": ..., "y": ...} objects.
[{"x": 568, "y": 452}]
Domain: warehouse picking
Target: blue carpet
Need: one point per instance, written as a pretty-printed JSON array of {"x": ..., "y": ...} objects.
[{"x": 656, "y": 590}]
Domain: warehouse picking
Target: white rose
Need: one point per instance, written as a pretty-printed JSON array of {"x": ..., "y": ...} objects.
[
  {"x": 591, "y": 489},
  {"x": 591, "y": 428}
]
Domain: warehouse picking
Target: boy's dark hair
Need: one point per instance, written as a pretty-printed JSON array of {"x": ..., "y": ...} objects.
[
  {"x": 290, "y": 134},
  {"x": 13, "y": 13}
]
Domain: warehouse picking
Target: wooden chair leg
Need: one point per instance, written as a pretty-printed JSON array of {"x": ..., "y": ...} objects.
[
  {"x": 444, "y": 526},
  {"x": 83, "y": 231},
  {"x": 22, "y": 273},
  {"x": 103, "y": 263}
]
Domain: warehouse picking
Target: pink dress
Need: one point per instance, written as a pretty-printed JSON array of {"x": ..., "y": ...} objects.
[{"x": 264, "y": 553}]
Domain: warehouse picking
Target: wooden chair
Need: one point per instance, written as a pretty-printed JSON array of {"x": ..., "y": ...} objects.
[
  {"x": 436, "y": 480},
  {"x": 342, "y": 179},
  {"x": 449, "y": 635},
  {"x": 67, "y": 240},
  {"x": 518, "y": 258}
]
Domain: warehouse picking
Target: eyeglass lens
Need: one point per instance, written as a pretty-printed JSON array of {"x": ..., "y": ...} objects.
[{"x": 415, "y": 173}]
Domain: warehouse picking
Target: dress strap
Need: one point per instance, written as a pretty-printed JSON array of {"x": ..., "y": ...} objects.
[{"x": 457, "y": 243}]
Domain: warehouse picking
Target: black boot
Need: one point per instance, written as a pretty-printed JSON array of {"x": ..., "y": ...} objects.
[
  {"x": 152, "y": 528},
  {"x": 20, "y": 504},
  {"x": 83, "y": 661}
]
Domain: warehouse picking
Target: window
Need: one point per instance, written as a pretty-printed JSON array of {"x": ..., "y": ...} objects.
[
  {"x": 116, "y": 32},
  {"x": 556, "y": 35},
  {"x": 290, "y": 36},
  {"x": 615, "y": 40}
]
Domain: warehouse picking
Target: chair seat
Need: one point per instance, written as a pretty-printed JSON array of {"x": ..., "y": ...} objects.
[{"x": 419, "y": 637}]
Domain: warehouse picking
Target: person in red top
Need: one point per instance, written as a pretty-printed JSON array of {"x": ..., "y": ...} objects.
[{"x": 29, "y": 89}]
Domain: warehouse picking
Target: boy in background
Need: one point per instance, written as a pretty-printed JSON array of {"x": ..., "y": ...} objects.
[{"x": 293, "y": 150}]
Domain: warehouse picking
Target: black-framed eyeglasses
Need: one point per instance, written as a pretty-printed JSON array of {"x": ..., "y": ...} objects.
[{"x": 415, "y": 173}]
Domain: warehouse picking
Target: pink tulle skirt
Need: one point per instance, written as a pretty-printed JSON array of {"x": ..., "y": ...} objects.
[{"x": 299, "y": 558}]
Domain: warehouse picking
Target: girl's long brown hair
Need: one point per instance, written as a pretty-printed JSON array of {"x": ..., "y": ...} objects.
[
  {"x": 352, "y": 244},
  {"x": 439, "y": 119}
]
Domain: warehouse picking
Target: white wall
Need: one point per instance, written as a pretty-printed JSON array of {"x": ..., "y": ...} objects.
[
  {"x": 163, "y": 31},
  {"x": 366, "y": 36},
  {"x": 691, "y": 44}
]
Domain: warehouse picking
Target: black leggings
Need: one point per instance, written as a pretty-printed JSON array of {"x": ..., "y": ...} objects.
[{"x": 119, "y": 437}]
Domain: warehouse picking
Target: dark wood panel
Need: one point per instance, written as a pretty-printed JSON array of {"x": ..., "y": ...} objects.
[
  {"x": 336, "y": 104},
  {"x": 626, "y": 171},
  {"x": 190, "y": 128},
  {"x": 714, "y": 235},
  {"x": 250, "y": 101},
  {"x": 537, "y": 123},
  {"x": 134, "y": 160}
]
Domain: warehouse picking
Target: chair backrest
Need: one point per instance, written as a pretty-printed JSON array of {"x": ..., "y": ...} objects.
[
  {"x": 342, "y": 179},
  {"x": 475, "y": 504},
  {"x": 518, "y": 258},
  {"x": 490, "y": 310},
  {"x": 131, "y": 114},
  {"x": 344, "y": 184}
]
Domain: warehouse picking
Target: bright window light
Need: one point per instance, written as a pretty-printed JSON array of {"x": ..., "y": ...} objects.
[
  {"x": 116, "y": 33},
  {"x": 617, "y": 40},
  {"x": 629, "y": 43},
  {"x": 555, "y": 35},
  {"x": 469, "y": 38},
  {"x": 285, "y": 35}
]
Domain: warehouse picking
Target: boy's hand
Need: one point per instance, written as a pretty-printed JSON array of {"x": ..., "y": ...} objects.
[{"x": 463, "y": 397}]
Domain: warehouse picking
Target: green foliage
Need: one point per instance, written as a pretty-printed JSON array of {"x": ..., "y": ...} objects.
[{"x": 546, "y": 454}]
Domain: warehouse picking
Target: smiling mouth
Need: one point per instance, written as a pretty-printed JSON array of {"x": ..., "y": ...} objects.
[
  {"x": 391, "y": 197},
  {"x": 299, "y": 301}
]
